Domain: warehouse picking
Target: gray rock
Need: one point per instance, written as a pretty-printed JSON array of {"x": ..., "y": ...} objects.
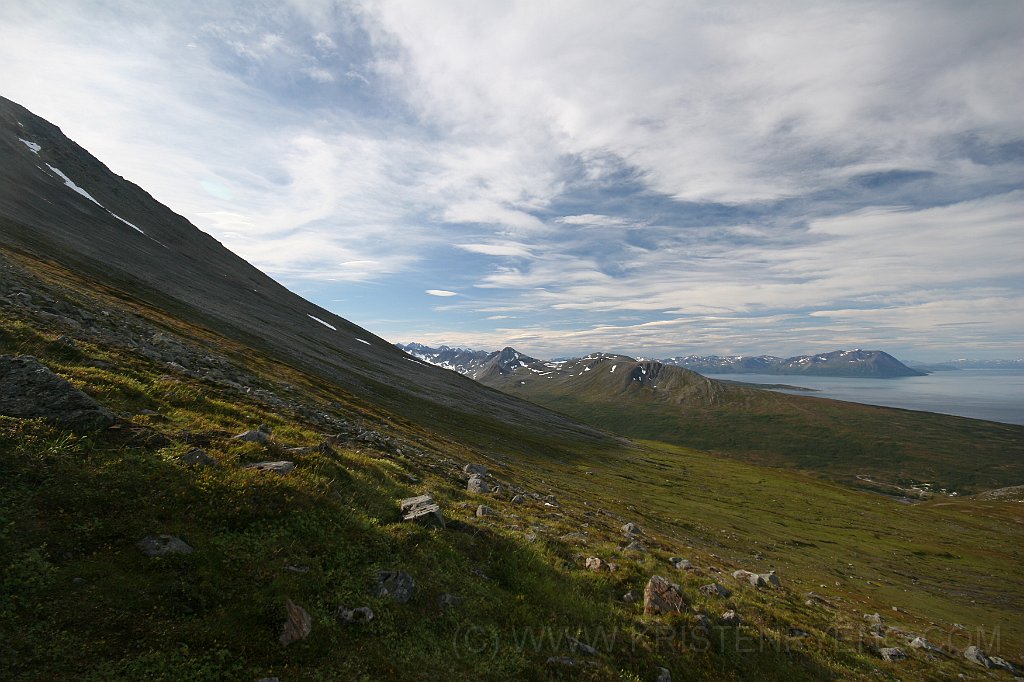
[
  {"x": 254, "y": 436},
  {"x": 631, "y": 529},
  {"x": 423, "y": 510},
  {"x": 197, "y": 458},
  {"x": 447, "y": 601},
  {"x": 560, "y": 662},
  {"x": 478, "y": 485},
  {"x": 475, "y": 470},
  {"x": 758, "y": 580},
  {"x": 661, "y": 596},
  {"x": 578, "y": 647},
  {"x": 731, "y": 618},
  {"x": 596, "y": 564},
  {"x": 28, "y": 389},
  {"x": 298, "y": 625},
  {"x": 282, "y": 467},
  {"x": 1002, "y": 664},
  {"x": 398, "y": 585},
  {"x": 518, "y": 499},
  {"x": 976, "y": 655},
  {"x": 483, "y": 510},
  {"x": 798, "y": 633},
  {"x": 664, "y": 675},
  {"x": 716, "y": 590},
  {"x": 360, "y": 614},
  {"x": 702, "y": 623},
  {"x": 633, "y": 597},
  {"x": 162, "y": 545},
  {"x": 873, "y": 618},
  {"x": 552, "y": 500},
  {"x": 635, "y": 546},
  {"x": 922, "y": 643},
  {"x": 892, "y": 654},
  {"x": 680, "y": 563}
]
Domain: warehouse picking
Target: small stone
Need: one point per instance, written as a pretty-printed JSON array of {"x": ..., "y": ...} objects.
[
  {"x": 633, "y": 597},
  {"x": 664, "y": 675},
  {"x": 483, "y": 510},
  {"x": 976, "y": 655},
  {"x": 1002, "y": 664},
  {"x": 578, "y": 647},
  {"x": 398, "y": 585},
  {"x": 197, "y": 458},
  {"x": 892, "y": 654},
  {"x": 447, "y": 601},
  {"x": 281, "y": 467},
  {"x": 253, "y": 436},
  {"x": 518, "y": 499},
  {"x": 661, "y": 596},
  {"x": 798, "y": 633},
  {"x": 635, "y": 546},
  {"x": 551, "y": 500},
  {"x": 631, "y": 529},
  {"x": 360, "y": 614},
  {"x": 731, "y": 618},
  {"x": 560, "y": 662},
  {"x": 716, "y": 590},
  {"x": 680, "y": 563},
  {"x": 162, "y": 545},
  {"x": 702, "y": 623},
  {"x": 298, "y": 625}
]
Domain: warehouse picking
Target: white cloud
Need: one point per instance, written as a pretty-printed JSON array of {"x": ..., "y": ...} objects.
[{"x": 441, "y": 292}]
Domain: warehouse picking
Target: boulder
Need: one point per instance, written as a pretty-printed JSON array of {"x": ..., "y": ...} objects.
[
  {"x": 298, "y": 625},
  {"x": 976, "y": 655},
  {"x": 28, "y": 389},
  {"x": 631, "y": 529},
  {"x": 475, "y": 470},
  {"x": 1002, "y": 664},
  {"x": 716, "y": 590},
  {"x": 162, "y": 545},
  {"x": 661, "y": 596},
  {"x": 635, "y": 546},
  {"x": 596, "y": 564},
  {"x": 664, "y": 675},
  {"x": 282, "y": 467},
  {"x": 397, "y": 585},
  {"x": 422, "y": 509},
  {"x": 483, "y": 510},
  {"x": 892, "y": 654},
  {"x": 478, "y": 485},
  {"x": 680, "y": 563}
]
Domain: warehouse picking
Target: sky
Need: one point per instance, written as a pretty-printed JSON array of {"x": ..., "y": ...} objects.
[{"x": 568, "y": 176}]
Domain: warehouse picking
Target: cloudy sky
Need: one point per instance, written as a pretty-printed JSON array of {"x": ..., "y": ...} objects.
[{"x": 566, "y": 176}]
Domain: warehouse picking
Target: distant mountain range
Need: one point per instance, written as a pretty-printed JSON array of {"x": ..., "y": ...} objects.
[{"x": 840, "y": 363}]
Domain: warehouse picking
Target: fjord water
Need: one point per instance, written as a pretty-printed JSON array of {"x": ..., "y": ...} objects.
[{"x": 992, "y": 394}]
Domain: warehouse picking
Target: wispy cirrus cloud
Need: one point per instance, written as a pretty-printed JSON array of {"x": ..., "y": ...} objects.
[{"x": 664, "y": 176}]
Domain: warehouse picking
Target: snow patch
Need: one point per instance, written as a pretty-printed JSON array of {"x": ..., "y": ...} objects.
[
  {"x": 613, "y": 368},
  {"x": 134, "y": 227},
  {"x": 31, "y": 145},
  {"x": 329, "y": 326},
  {"x": 360, "y": 340},
  {"x": 67, "y": 181}
]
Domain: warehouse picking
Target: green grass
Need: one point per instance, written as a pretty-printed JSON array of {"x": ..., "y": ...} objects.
[{"x": 79, "y": 601}]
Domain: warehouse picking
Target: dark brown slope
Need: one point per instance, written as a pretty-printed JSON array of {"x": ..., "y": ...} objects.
[{"x": 177, "y": 268}]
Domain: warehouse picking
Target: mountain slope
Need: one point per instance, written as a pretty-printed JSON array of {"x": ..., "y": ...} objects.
[{"x": 167, "y": 263}]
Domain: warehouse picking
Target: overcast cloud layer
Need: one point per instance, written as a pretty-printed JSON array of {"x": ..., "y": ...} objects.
[{"x": 653, "y": 178}]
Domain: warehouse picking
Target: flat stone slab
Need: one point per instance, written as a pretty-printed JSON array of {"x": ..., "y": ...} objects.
[
  {"x": 29, "y": 389},
  {"x": 422, "y": 509},
  {"x": 282, "y": 467}
]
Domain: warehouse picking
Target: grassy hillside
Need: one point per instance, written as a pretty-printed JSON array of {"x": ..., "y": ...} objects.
[
  {"x": 835, "y": 439},
  {"x": 82, "y": 602}
]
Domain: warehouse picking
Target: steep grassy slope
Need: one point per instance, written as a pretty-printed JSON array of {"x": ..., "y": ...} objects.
[
  {"x": 81, "y": 602},
  {"x": 836, "y": 439}
]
